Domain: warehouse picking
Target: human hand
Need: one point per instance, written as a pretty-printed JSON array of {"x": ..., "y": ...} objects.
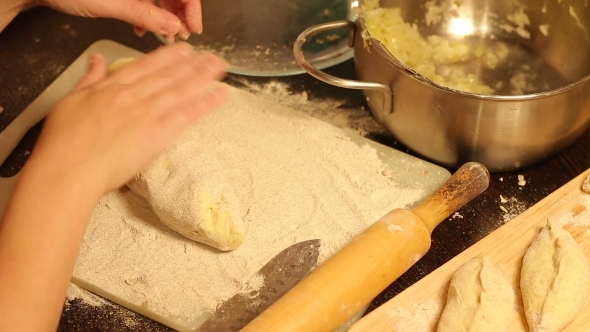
[
  {"x": 176, "y": 17},
  {"x": 110, "y": 127}
]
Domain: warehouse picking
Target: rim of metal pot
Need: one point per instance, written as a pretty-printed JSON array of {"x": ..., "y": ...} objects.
[{"x": 380, "y": 48}]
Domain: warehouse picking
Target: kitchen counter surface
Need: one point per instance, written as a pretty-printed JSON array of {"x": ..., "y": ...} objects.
[{"x": 41, "y": 43}]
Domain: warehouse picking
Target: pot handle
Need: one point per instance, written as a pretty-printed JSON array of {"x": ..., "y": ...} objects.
[{"x": 337, "y": 81}]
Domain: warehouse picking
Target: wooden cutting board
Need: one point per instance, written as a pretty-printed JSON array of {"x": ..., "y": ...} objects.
[{"x": 418, "y": 308}]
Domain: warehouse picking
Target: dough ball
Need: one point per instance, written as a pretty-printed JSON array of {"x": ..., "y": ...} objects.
[
  {"x": 187, "y": 191},
  {"x": 479, "y": 299},
  {"x": 554, "y": 281}
]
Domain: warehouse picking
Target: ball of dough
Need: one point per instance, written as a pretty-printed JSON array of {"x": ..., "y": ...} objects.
[
  {"x": 554, "y": 280},
  {"x": 187, "y": 191},
  {"x": 479, "y": 299},
  {"x": 189, "y": 195}
]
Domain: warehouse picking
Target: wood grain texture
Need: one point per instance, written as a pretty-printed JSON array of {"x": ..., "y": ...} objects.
[{"x": 505, "y": 247}]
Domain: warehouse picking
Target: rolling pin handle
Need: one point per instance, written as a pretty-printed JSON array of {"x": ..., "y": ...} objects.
[{"x": 466, "y": 183}]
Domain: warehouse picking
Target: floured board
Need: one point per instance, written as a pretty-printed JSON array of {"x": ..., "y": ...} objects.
[
  {"x": 407, "y": 172},
  {"x": 418, "y": 308}
]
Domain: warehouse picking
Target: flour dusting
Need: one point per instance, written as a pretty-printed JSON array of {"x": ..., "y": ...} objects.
[
  {"x": 579, "y": 217},
  {"x": 511, "y": 207},
  {"x": 75, "y": 292},
  {"x": 329, "y": 109},
  {"x": 297, "y": 179},
  {"x": 415, "y": 317},
  {"x": 392, "y": 228}
]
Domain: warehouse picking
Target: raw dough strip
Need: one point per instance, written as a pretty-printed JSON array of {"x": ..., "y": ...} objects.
[
  {"x": 554, "y": 281},
  {"x": 479, "y": 299}
]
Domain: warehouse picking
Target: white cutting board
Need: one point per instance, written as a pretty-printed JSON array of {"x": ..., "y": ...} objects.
[{"x": 412, "y": 172}]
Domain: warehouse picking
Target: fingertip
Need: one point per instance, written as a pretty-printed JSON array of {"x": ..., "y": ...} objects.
[
  {"x": 198, "y": 28},
  {"x": 139, "y": 31},
  {"x": 170, "y": 24},
  {"x": 184, "y": 33},
  {"x": 194, "y": 17},
  {"x": 168, "y": 39},
  {"x": 97, "y": 70},
  {"x": 97, "y": 60},
  {"x": 99, "y": 66}
]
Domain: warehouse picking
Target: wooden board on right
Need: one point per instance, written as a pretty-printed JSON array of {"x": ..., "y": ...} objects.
[{"x": 418, "y": 308}]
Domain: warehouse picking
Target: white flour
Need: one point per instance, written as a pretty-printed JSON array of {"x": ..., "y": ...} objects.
[
  {"x": 297, "y": 177},
  {"x": 579, "y": 217},
  {"x": 75, "y": 292},
  {"x": 415, "y": 317},
  {"x": 511, "y": 208},
  {"x": 328, "y": 109},
  {"x": 128, "y": 320}
]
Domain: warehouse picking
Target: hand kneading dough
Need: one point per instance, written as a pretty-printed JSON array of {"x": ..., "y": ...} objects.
[
  {"x": 187, "y": 193},
  {"x": 479, "y": 299},
  {"x": 185, "y": 190},
  {"x": 554, "y": 281}
]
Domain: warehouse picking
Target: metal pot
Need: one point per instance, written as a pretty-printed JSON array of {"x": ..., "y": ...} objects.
[{"x": 451, "y": 127}]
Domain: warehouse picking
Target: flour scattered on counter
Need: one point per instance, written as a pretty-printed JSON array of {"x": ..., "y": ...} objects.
[
  {"x": 329, "y": 109},
  {"x": 579, "y": 217},
  {"x": 296, "y": 180},
  {"x": 75, "y": 292},
  {"x": 503, "y": 200},
  {"x": 415, "y": 317},
  {"x": 88, "y": 300},
  {"x": 521, "y": 180},
  {"x": 511, "y": 207},
  {"x": 501, "y": 179},
  {"x": 457, "y": 215},
  {"x": 253, "y": 285}
]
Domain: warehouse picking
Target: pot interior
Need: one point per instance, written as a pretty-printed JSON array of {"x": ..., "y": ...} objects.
[{"x": 512, "y": 47}]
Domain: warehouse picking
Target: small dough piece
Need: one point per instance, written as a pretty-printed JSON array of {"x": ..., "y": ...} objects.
[
  {"x": 479, "y": 299},
  {"x": 186, "y": 190},
  {"x": 554, "y": 281},
  {"x": 586, "y": 185}
]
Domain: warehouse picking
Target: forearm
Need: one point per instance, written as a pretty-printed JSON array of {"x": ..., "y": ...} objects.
[{"x": 40, "y": 235}]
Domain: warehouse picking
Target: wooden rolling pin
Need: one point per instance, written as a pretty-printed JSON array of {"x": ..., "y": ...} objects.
[{"x": 350, "y": 279}]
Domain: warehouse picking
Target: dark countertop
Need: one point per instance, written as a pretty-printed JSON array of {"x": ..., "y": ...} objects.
[{"x": 41, "y": 43}]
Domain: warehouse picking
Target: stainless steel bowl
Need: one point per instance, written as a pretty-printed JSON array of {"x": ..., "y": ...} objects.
[{"x": 451, "y": 127}]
